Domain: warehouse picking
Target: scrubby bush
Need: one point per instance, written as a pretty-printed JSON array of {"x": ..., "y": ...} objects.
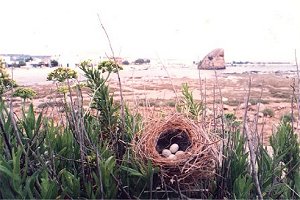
[
  {"x": 24, "y": 93},
  {"x": 256, "y": 101},
  {"x": 108, "y": 66},
  {"x": 188, "y": 104},
  {"x": 233, "y": 102},
  {"x": 125, "y": 62},
  {"x": 268, "y": 112},
  {"x": 54, "y": 63},
  {"x": 139, "y": 61},
  {"x": 62, "y": 74},
  {"x": 5, "y": 82},
  {"x": 287, "y": 118}
]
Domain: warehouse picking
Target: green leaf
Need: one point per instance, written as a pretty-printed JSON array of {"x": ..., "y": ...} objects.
[
  {"x": 242, "y": 187},
  {"x": 29, "y": 184},
  {"x": 38, "y": 122},
  {"x": 49, "y": 188},
  {"x": 5, "y": 189},
  {"x": 297, "y": 183},
  {"x": 70, "y": 184},
  {"x": 131, "y": 171},
  {"x": 110, "y": 163},
  {"x": 16, "y": 169},
  {"x": 6, "y": 171}
]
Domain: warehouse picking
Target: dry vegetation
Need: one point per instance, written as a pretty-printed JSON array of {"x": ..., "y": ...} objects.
[{"x": 272, "y": 91}]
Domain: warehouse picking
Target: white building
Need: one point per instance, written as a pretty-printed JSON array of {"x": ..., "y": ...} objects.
[{"x": 7, "y": 60}]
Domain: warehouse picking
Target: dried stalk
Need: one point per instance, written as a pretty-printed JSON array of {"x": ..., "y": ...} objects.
[
  {"x": 298, "y": 87},
  {"x": 73, "y": 120},
  {"x": 173, "y": 86},
  {"x": 205, "y": 103},
  {"x": 178, "y": 187},
  {"x": 13, "y": 120},
  {"x": 292, "y": 104},
  {"x": 80, "y": 113},
  {"x": 214, "y": 107},
  {"x": 118, "y": 74},
  {"x": 256, "y": 117},
  {"x": 246, "y": 133},
  {"x": 181, "y": 195},
  {"x": 200, "y": 85},
  {"x": 222, "y": 105}
]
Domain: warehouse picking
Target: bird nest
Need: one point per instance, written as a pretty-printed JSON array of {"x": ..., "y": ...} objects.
[{"x": 198, "y": 157}]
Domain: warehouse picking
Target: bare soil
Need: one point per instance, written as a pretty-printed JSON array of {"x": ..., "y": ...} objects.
[{"x": 158, "y": 95}]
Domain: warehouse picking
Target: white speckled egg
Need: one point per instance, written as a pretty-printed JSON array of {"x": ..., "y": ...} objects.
[
  {"x": 166, "y": 152},
  {"x": 172, "y": 157},
  {"x": 179, "y": 153},
  {"x": 174, "y": 148}
]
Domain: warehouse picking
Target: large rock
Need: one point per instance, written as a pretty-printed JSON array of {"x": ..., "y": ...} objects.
[{"x": 213, "y": 60}]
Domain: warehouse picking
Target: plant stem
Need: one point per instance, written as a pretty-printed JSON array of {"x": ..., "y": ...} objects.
[
  {"x": 298, "y": 87},
  {"x": 118, "y": 74},
  {"x": 250, "y": 144}
]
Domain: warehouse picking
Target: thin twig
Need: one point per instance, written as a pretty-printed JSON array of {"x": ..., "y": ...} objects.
[
  {"x": 298, "y": 95},
  {"x": 178, "y": 188},
  {"x": 214, "y": 107},
  {"x": 11, "y": 113},
  {"x": 246, "y": 133},
  {"x": 200, "y": 85},
  {"x": 205, "y": 103},
  {"x": 257, "y": 116},
  {"x": 222, "y": 105},
  {"x": 292, "y": 104},
  {"x": 99, "y": 173},
  {"x": 182, "y": 195},
  {"x": 171, "y": 80},
  {"x": 120, "y": 186},
  {"x": 76, "y": 125},
  {"x": 118, "y": 74}
]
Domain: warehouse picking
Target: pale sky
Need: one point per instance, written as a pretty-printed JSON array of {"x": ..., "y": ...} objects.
[{"x": 258, "y": 30}]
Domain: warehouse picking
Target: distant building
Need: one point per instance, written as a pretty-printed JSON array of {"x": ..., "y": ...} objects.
[{"x": 7, "y": 60}]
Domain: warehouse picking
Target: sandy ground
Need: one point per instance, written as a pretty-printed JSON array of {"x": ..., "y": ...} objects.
[{"x": 157, "y": 89}]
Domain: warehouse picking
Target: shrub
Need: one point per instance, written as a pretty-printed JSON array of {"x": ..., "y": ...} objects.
[
  {"x": 286, "y": 150},
  {"x": 61, "y": 74},
  {"x": 232, "y": 102},
  {"x": 268, "y": 112},
  {"x": 139, "y": 61},
  {"x": 54, "y": 63},
  {"x": 109, "y": 66},
  {"x": 188, "y": 105},
  {"x": 287, "y": 118},
  {"x": 171, "y": 103},
  {"x": 5, "y": 82},
  {"x": 24, "y": 93},
  {"x": 125, "y": 62},
  {"x": 256, "y": 101}
]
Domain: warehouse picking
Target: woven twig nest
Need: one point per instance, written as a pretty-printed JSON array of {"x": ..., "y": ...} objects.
[{"x": 199, "y": 158}]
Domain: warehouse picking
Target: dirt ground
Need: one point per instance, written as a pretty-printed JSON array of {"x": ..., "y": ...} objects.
[{"x": 158, "y": 95}]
